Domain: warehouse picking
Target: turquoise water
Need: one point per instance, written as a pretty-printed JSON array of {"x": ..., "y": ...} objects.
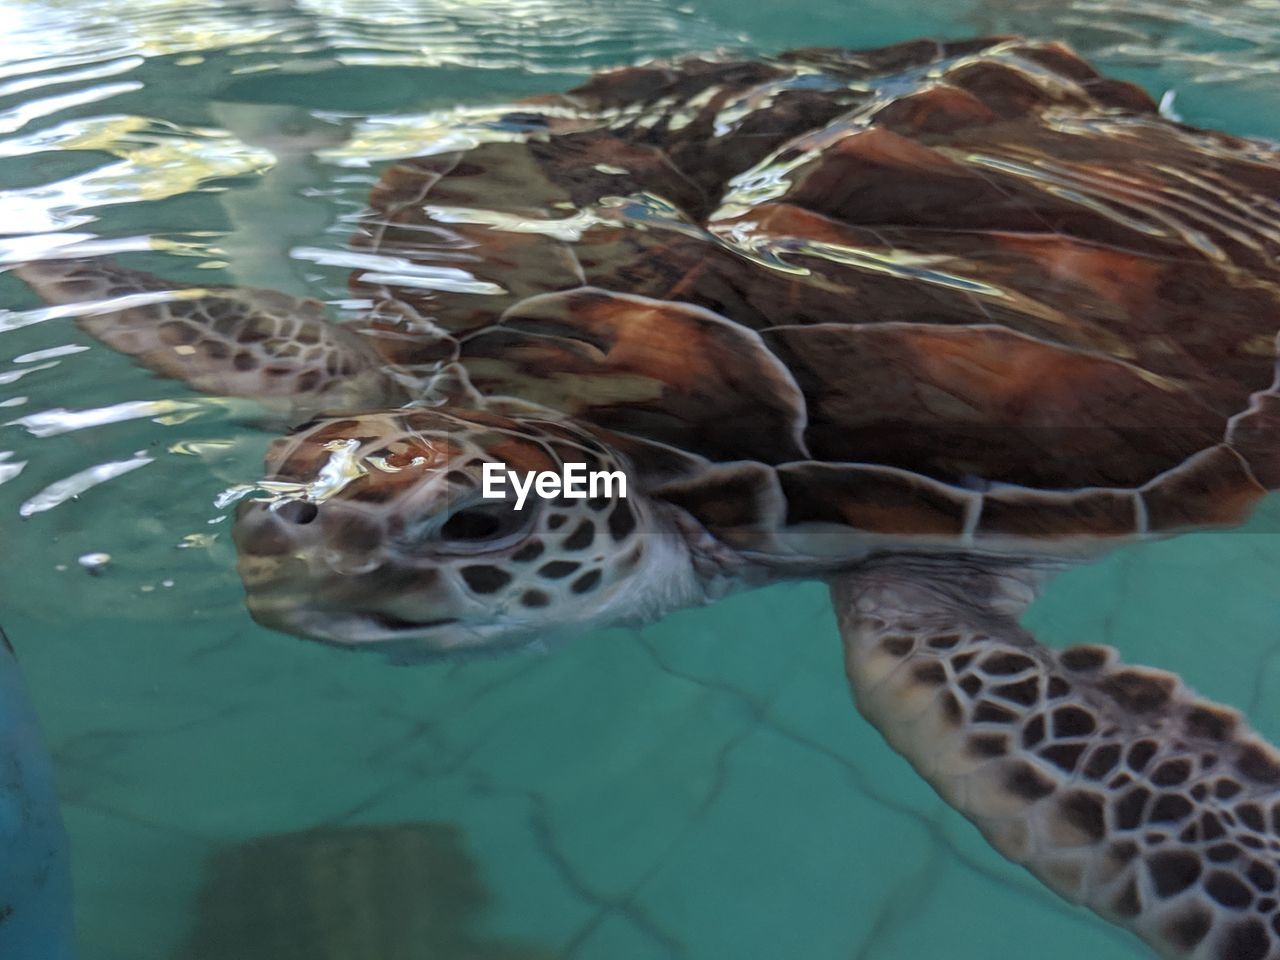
[{"x": 702, "y": 789}]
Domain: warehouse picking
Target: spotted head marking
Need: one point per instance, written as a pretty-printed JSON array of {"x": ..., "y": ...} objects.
[{"x": 382, "y": 536}]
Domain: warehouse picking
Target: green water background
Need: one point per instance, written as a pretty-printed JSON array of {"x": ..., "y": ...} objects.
[{"x": 702, "y": 789}]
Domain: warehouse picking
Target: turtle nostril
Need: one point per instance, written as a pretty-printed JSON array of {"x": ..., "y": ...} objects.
[{"x": 297, "y": 511}]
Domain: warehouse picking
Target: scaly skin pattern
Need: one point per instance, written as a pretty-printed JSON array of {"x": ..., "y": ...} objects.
[
  {"x": 401, "y": 550},
  {"x": 224, "y": 341},
  {"x": 1114, "y": 784}
]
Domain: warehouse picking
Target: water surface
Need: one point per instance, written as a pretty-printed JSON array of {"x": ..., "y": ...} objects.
[{"x": 701, "y": 789}]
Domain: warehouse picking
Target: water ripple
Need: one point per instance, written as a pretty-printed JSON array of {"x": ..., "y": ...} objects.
[
  {"x": 95, "y": 71},
  {"x": 73, "y": 486},
  {"x": 51, "y": 423},
  {"x": 529, "y": 35},
  {"x": 1208, "y": 41}
]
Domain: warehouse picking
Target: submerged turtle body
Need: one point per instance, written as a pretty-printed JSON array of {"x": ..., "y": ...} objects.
[
  {"x": 878, "y": 292},
  {"x": 961, "y": 295},
  {"x": 969, "y": 294},
  {"x": 927, "y": 321}
]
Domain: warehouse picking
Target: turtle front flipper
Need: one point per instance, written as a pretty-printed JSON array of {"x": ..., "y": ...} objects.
[
  {"x": 1115, "y": 785},
  {"x": 225, "y": 341}
]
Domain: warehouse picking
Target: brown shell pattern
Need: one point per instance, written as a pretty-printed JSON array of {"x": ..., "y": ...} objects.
[{"x": 964, "y": 292}]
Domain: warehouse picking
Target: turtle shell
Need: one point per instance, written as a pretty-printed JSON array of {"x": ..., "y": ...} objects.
[{"x": 953, "y": 292}]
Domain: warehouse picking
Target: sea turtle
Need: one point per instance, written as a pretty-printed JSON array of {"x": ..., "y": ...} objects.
[{"x": 930, "y": 322}]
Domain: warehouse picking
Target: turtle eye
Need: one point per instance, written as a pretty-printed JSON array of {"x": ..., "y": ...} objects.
[
  {"x": 482, "y": 525},
  {"x": 472, "y": 525}
]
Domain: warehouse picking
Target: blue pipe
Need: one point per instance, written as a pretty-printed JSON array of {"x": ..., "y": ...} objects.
[{"x": 35, "y": 875}]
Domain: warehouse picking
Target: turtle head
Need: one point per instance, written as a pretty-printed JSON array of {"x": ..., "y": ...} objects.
[{"x": 393, "y": 530}]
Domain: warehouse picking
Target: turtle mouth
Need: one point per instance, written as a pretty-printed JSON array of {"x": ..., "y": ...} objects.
[
  {"x": 400, "y": 639},
  {"x": 394, "y": 624},
  {"x": 349, "y": 628}
]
